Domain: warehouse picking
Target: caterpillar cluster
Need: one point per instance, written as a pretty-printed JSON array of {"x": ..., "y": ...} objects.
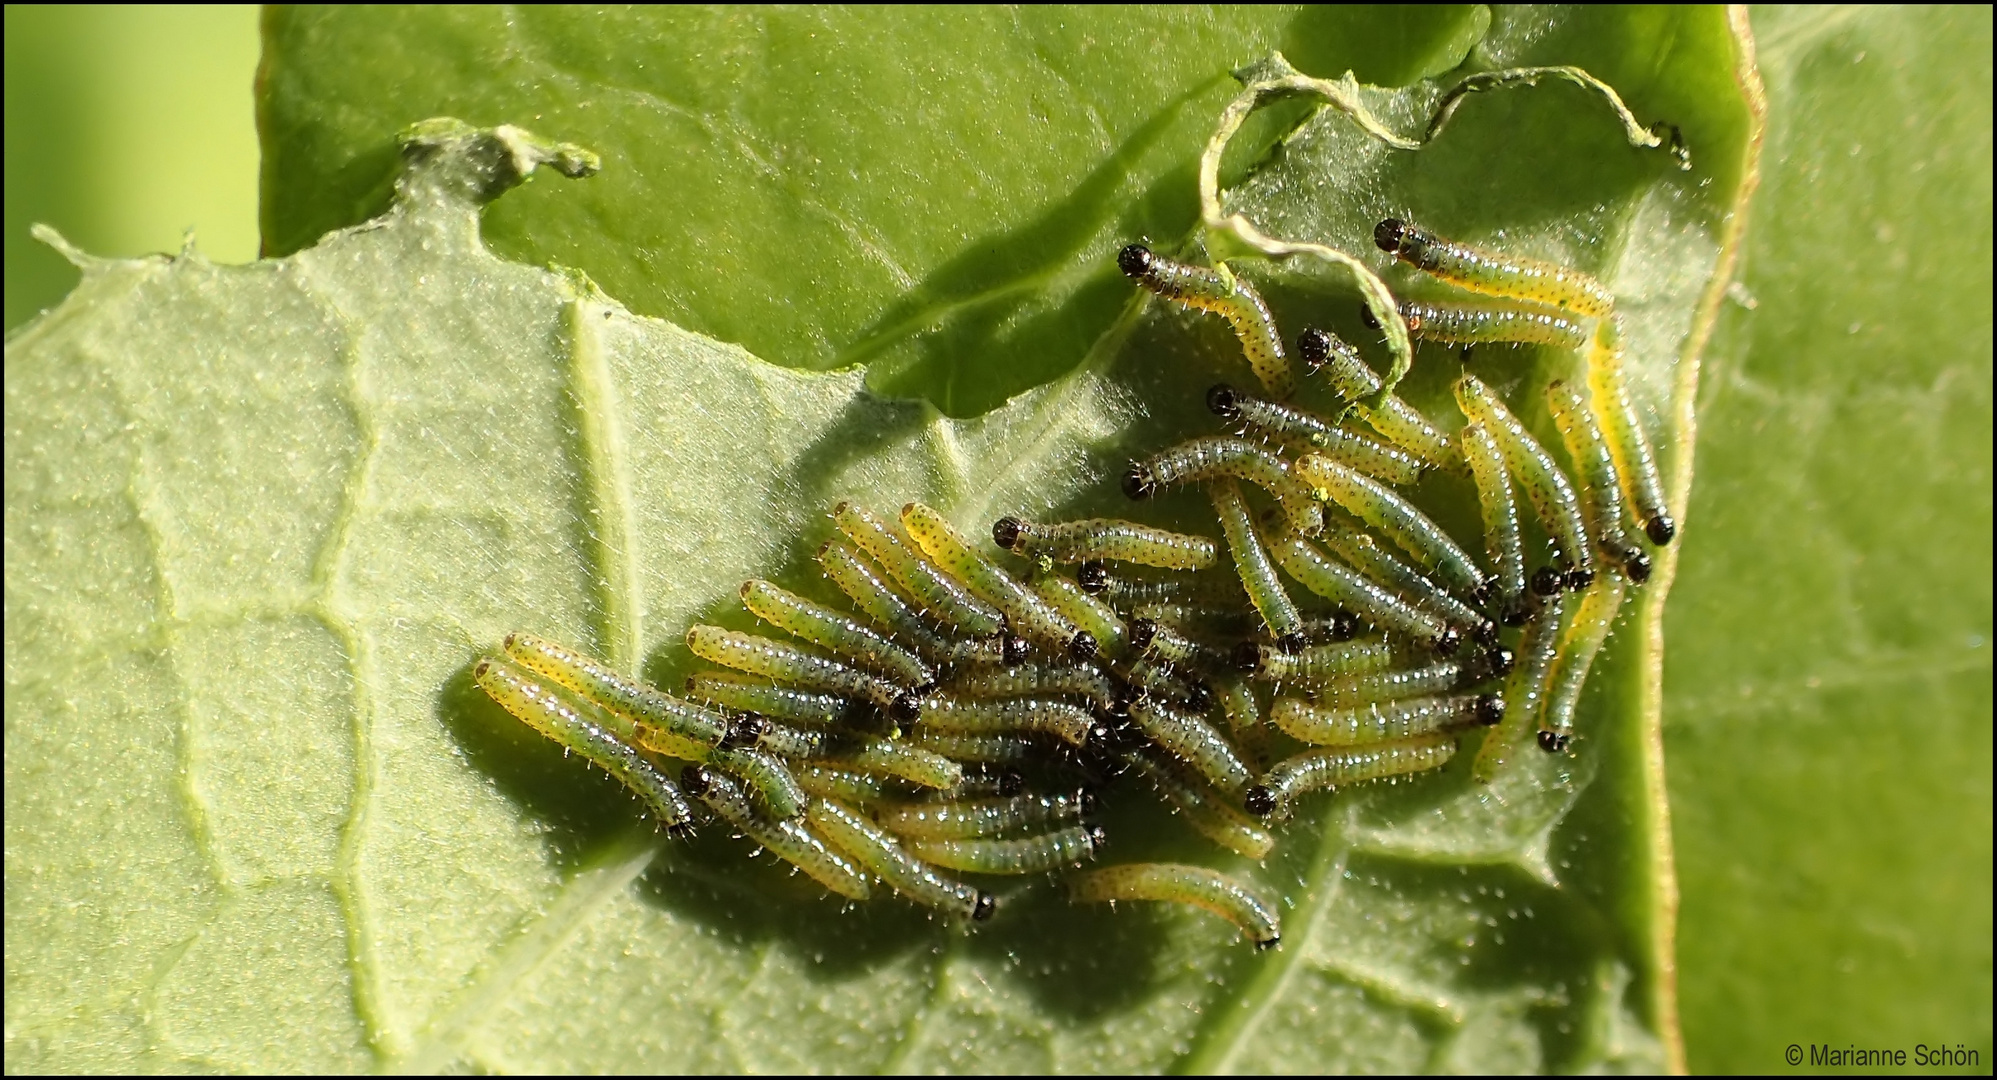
[{"x": 967, "y": 712}]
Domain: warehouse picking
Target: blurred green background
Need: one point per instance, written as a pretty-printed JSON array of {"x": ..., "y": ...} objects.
[
  {"x": 1814, "y": 910},
  {"x": 127, "y": 126}
]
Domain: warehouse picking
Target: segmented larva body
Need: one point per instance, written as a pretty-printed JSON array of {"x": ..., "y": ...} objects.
[
  {"x": 1545, "y": 485},
  {"x": 1216, "y": 456},
  {"x": 1343, "y": 586},
  {"x": 1395, "y": 517},
  {"x": 1366, "y": 555},
  {"x": 1178, "y": 883},
  {"x": 1004, "y": 748},
  {"x": 1636, "y": 463},
  {"x": 1366, "y": 688},
  {"x": 1024, "y": 855},
  {"x": 790, "y": 840},
  {"x": 964, "y": 819},
  {"x": 793, "y": 664},
  {"x": 1025, "y": 611},
  {"x": 1354, "y": 382},
  {"x": 1208, "y": 813},
  {"x": 1389, "y": 464},
  {"x": 1525, "y": 691},
  {"x": 773, "y": 784},
  {"x": 1224, "y": 294},
  {"x": 938, "y": 593},
  {"x": 582, "y": 731},
  {"x": 1218, "y": 594},
  {"x": 1593, "y": 617},
  {"x": 1028, "y": 680},
  {"x": 844, "y": 635},
  {"x": 1251, "y": 561},
  {"x": 1338, "y": 766},
  {"x": 1194, "y": 741},
  {"x": 1502, "y": 542},
  {"x": 1484, "y": 324},
  {"x": 905, "y": 874},
  {"x": 1166, "y": 682},
  {"x": 846, "y": 568},
  {"x": 754, "y": 694},
  {"x": 693, "y": 726},
  {"x": 1317, "y": 664},
  {"x": 1095, "y": 618},
  {"x": 1493, "y": 274},
  {"x": 849, "y": 786},
  {"x": 987, "y": 716},
  {"x": 901, "y": 759},
  {"x": 1110, "y": 539},
  {"x": 1595, "y": 470},
  {"x": 1385, "y": 721},
  {"x": 1161, "y": 641}
]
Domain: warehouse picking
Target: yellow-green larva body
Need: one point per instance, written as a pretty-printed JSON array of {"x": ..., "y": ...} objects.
[
  {"x": 1636, "y": 463},
  {"x": 853, "y": 834},
  {"x": 1491, "y": 324},
  {"x": 939, "y": 594},
  {"x": 1161, "y": 641},
  {"x": 1338, "y": 766},
  {"x": 799, "y": 666},
  {"x": 1226, "y": 295},
  {"x": 1002, "y": 748},
  {"x": 584, "y": 732},
  {"x": 1178, "y": 883},
  {"x": 773, "y": 784},
  {"x": 790, "y": 840},
  {"x": 1525, "y": 690},
  {"x": 898, "y": 758},
  {"x": 1026, "y": 612},
  {"x": 1593, "y": 617},
  {"x": 1190, "y": 739},
  {"x": 1545, "y": 485},
  {"x": 599, "y": 682},
  {"x": 1502, "y": 542},
  {"x": 1210, "y": 815},
  {"x": 1027, "y": 680},
  {"x": 1493, "y": 274},
  {"x": 1111, "y": 539},
  {"x": 1395, "y": 517},
  {"x": 962, "y": 819},
  {"x": 1366, "y": 688},
  {"x": 1251, "y": 561},
  {"x": 844, "y": 635},
  {"x": 848, "y": 785},
  {"x": 1355, "y": 383},
  {"x": 1364, "y": 554},
  {"x": 1023, "y": 855},
  {"x": 869, "y": 590},
  {"x": 1595, "y": 474},
  {"x": 1384, "y": 721},
  {"x": 1165, "y": 682},
  {"x": 1064, "y": 720},
  {"x": 756, "y": 694},
  {"x": 1098, "y": 619},
  {"x": 1302, "y": 428},
  {"x": 1317, "y": 664},
  {"x": 1357, "y": 593},
  {"x": 1215, "y": 456}
]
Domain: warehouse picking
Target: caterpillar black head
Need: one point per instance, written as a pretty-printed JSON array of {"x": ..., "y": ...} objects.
[
  {"x": 1013, "y": 649},
  {"x": 1082, "y": 646},
  {"x": 1093, "y": 576},
  {"x": 1552, "y": 742},
  {"x": 1259, "y": 800},
  {"x": 983, "y": 906},
  {"x": 1141, "y": 632},
  {"x": 1660, "y": 529},
  {"x": 1224, "y": 402},
  {"x": 1490, "y": 709},
  {"x": 1138, "y": 483},
  {"x": 1134, "y": 261},
  {"x": 1546, "y": 581},
  {"x": 696, "y": 780},
  {"x": 1005, "y": 532},
  {"x": 743, "y": 731}
]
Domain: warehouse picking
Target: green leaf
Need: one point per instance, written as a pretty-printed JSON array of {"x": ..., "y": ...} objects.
[
  {"x": 1828, "y": 687},
  {"x": 262, "y": 518}
]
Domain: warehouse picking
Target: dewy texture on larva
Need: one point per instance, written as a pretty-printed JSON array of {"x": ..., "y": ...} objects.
[{"x": 1226, "y": 295}]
